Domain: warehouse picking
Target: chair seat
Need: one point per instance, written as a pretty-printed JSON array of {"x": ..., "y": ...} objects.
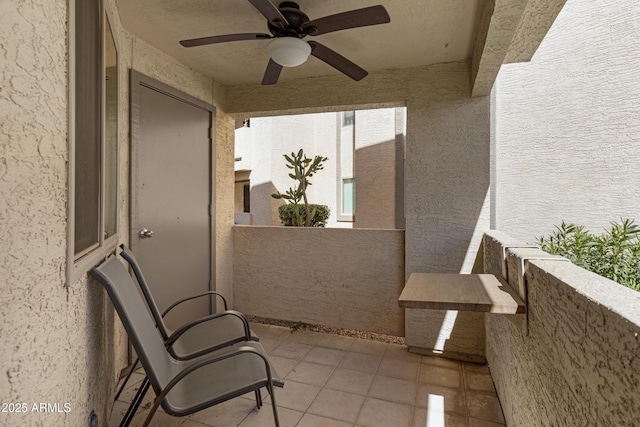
[
  {"x": 207, "y": 336},
  {"x": 210, "y": 384}
]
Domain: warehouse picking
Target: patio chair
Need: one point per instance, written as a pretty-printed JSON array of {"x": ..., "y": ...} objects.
[
  {"x": 183, "y": 387},
  {"x": 195, "y": 338}
]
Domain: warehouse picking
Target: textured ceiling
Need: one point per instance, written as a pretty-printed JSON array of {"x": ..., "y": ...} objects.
[{"x": 421, "y": 32}]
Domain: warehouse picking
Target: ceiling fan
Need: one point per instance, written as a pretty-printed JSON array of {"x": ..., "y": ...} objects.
[{"x": 289, "y": 25}]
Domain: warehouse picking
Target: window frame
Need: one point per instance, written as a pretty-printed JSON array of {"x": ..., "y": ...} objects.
[
  {"x": 348, "y": 118},
  {"x": 342, "y": 213},
  {"x": 246, "y": 202},
  {"x": 78, "y": 264},
  {"x": 345, "y": 132}
]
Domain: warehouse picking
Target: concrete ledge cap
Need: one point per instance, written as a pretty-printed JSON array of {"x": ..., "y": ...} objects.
[{"x": 612, "y": 295}]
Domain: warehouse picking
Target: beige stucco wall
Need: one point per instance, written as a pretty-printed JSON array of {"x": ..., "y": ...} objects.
[
  {"x": 447, "y": 168},
  {"x": 579, "y": 365},
  {"x": 446, "y": 333},
  {"x": 448, "y": 147},
  {"x": 446, "y": 206},
  {"x": 567, "y": 126},
  {"x": 346, "y": 278},
  {"x": 223, "y": 195},
  {"x": 62, "y": 343}
]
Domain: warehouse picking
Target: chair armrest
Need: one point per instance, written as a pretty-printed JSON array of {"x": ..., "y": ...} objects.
[
  {"x": 175, "y": 304},
  {"x": 180, "y": 331}
]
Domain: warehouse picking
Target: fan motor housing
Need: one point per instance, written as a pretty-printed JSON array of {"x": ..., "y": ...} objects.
[{"x": 296, "y": 18}]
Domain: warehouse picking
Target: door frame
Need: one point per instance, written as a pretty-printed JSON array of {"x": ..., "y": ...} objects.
[{"x": 137, "y": 81}]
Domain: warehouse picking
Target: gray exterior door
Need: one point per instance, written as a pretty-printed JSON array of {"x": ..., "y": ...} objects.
[{"x": 171, "y": 195}]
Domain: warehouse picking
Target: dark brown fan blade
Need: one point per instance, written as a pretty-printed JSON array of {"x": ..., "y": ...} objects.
[
  {"x": 373, "y": 15},
  {"x": 272, "y": 73},
  {"x": 337, "y": 61},
  {"x": 273, "y": 15},
  {"x": 222, "y": 39}
]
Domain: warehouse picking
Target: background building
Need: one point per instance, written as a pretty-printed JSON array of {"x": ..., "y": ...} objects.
[{"x": 363, "y": 178}]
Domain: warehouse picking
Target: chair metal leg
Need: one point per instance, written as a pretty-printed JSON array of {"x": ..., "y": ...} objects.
[
  {"x": 258, "y": 398},
  {"x": 133, "y": 368},
  {"x": 135, "y": 403},
  {"x": 273, "y": 404}
]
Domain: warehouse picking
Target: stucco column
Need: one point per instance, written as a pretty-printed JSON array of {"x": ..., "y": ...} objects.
[{"x": 447, "y": 208}]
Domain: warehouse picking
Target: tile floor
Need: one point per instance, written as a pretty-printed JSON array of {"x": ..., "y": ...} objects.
[{"x": 338, "y": 381}]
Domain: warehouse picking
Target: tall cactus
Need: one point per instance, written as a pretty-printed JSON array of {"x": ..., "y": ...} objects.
[{"x": 303, "y": 168}]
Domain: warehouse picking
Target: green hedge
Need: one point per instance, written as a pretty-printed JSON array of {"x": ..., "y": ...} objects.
[
  {"x": 287, "y": 214},
  {"x": 615, "y": 254}
]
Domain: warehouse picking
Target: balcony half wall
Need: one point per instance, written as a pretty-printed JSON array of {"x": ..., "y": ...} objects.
[
  {"x": 346, "y": 278},
  {"x": 578, "y": 365}
]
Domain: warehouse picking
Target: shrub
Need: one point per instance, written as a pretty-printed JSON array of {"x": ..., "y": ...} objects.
[
  {"x": 319, "y": 214},
  {"x": 615, "y": 254}
]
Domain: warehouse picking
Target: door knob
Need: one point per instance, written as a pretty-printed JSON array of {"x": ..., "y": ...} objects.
[{"x": 145, "y": 233}]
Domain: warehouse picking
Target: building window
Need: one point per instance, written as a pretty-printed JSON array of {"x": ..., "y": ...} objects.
[
  {"x": 246, "y": 200},
  {"x": 345, "y": 167},
  {"x": 348, "y": 196},
  {"x": 93, "y": 81},
  {"x": 348, "y": 118}
]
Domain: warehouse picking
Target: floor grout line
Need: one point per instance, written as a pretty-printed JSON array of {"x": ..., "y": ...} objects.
[{"x": 396, "y": 368}]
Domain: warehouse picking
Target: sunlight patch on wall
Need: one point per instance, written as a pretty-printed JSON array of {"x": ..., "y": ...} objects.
[
  {"x": 476, "y": 237},
  {"x": 445, "y": 330}
]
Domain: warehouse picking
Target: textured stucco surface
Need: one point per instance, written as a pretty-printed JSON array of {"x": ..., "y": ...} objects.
[
  {"x": 567, "y": 126},
  {"x": 498, "y": 24},
  {"x": 446, "y": 333},
  {"x": 160, "y": 66},
  {"x": 57, "y": 341},
  {"x": 223, "y": 195},
  {"x": 447, "y": 177},
  {"x": 537, "y": 18},
  {"x": 579, "y": 365},
  {"x": 447, "y": 150},
  {"x": 446, "y": 203},
  {"x": 419, "y": 33},
  {"x": 447, "y": 166},
  {"x": 347, "y": 278},
  {"x": 62, "y": 343}
]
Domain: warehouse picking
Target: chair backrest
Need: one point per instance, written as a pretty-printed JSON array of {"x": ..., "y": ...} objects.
[
  {"x": 144, "y": 287},
  {"x": 143, "y": 334}
]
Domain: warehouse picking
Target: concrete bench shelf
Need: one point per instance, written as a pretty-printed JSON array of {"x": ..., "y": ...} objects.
[{"x": 463, "y": 292}]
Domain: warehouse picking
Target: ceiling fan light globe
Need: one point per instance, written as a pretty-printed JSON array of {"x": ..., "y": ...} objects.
[{"x": 289, "y": 51}]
